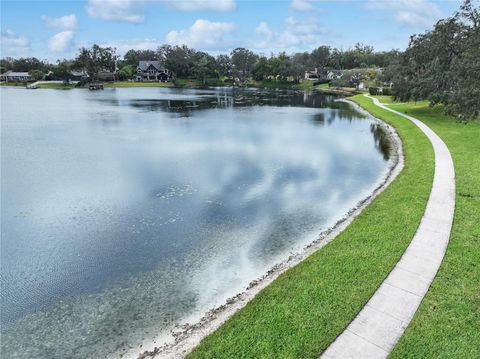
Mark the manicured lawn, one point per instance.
(447, 324)
(303, 311)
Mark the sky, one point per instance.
(52, 30)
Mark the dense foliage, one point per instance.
(443, 65)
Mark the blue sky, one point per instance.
(56, 29)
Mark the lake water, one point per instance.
(126, 211)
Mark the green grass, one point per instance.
(16, 83)
(447, 324)
(304, 310)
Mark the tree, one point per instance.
(203, 67)
(442, 65)
(320, 56)
(261, 70)
(223, 65)
(36, 74)
(96, 59)
(62, 70)
(132, 57)
(243, 61)
(178, 59)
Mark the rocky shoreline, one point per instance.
(186, 338)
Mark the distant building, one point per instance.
(362, 85)
(15, 76)
(105, 76)
(322, 74)
(152, 71)
(79, 75)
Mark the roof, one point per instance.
(143, 65)
(16, 74)
(78, 73)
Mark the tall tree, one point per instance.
(243, 61)
(442, 65)
(96, 59)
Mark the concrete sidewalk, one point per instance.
(382, 321)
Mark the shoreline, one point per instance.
(186, 338)
(114, 85)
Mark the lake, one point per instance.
(126, 212)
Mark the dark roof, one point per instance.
(143, 65)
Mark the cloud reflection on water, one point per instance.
(120, 218)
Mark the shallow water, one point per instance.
(125, 211)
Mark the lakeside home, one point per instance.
(15, 76)
(152, 71)
(322, 74)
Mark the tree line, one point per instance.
(443, 65)
(186, 62)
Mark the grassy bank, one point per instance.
(303, 311)
(447, 324)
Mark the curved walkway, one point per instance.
(382, 321)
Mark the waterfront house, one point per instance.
(152, 71)
(79, 75)
(322, 74)
(15, 76)
(105, 76)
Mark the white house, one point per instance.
(322, 74)
(15, 76)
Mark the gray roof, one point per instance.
(143, 65)
(78, 73)
(16, 74)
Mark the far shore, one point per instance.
(192, 84)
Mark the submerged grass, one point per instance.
(447, 324)
(304, 310)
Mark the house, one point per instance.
(15, 76)
(362, 85)
(334, 74)
(105, 76)
(79, 75)
(152, 71)
(322, 74)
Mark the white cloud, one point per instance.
(295, 34)
(131, 10)
(122, 46)
(14, 45)
(67, 22)
(61, 41)
(119, 10)
(264, 29)
(302, 5)
(411, 13)
(202, 34)
(196, 5)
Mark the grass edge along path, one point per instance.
(308, 306)
(447, 323)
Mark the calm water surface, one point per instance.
(125, 212)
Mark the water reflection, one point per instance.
(120, 217)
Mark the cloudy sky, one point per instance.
(56, 29)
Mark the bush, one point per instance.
(386, 91)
